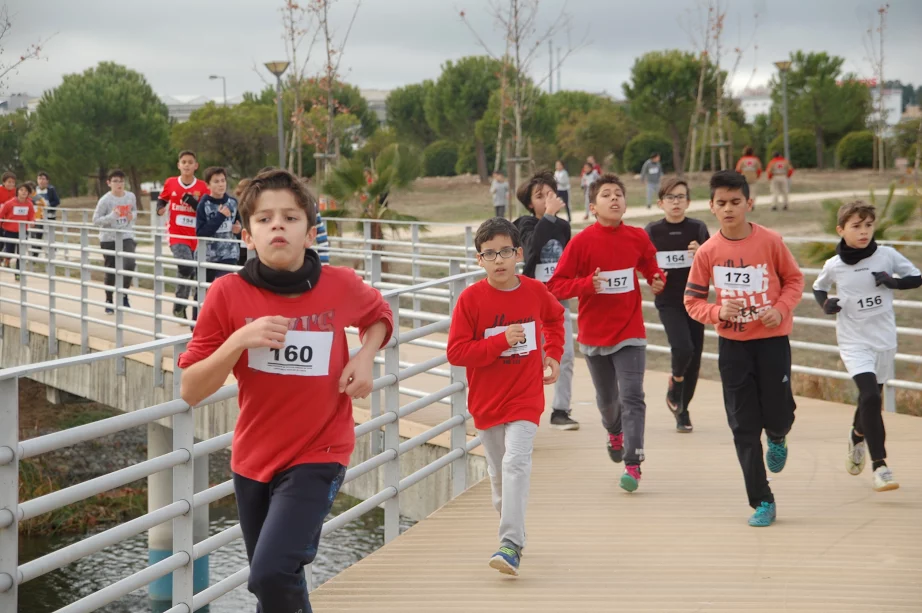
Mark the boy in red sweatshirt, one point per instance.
(13, 213)
(496, 331)
(599, 266)
(758, 286)
(280, 328)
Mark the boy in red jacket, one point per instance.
(282, 334)
(758, 286)
(496, 331)
(599, 266)
(12, 215)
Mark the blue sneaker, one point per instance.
(506, 561)
(777, 454)
(764, 515)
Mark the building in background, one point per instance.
(755, 101)
(377, 102)
(15, 102)
(180, 107)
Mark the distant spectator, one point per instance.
(587, 178)
(47, 192)
(750, 167)
(562, 177)
(8, 187)
(594, 164)
(500, 190)
(779, 177)
(651, 173)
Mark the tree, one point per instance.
(13, 131)
(241, 138)
(565, 102)
(822, 99)
(32, 52)
(406, 114)
(662, 94)
(599, 131)
(104, 117)
(458, 100)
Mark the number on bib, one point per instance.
(305, 354)
(617, 281)
(185, 221)
(522, 347)
(21, 210)
(674, 259)
(868, 306)
(738, 279)
(544, 272)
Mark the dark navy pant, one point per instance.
(281, 522)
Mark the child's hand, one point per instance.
(884, 278)
(236, 228)
(224, 210)
(831, 306)
(357, 378)
(267, 331)
(597, 280)
(771, 318)
(554, 366)
(553, 204)
(730, 309)
(515, 334)
(693, 247)
(659, 283)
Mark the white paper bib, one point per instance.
(20, 210)
(305, 354)
(738, 279)
(674, 259)
(523, 348)
(617, 281)
(185, 221)
(870, 305)
(544, 272)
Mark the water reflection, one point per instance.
(62, 587)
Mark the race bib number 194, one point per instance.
(305, 354)
(544, 272)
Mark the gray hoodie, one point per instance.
(111, 214)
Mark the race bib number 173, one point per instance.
(738, 279)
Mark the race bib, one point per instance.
(617, 281)
(226, 226)
(305, 354)
(21, 210)
(544, 272)
(870, 305)
(738, 279)
(522, 348)
(674, 259)
(185, 221)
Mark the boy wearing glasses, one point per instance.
(676, 239)
(496, 327)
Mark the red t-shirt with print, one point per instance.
(182, 216)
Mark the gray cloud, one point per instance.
(177, 44)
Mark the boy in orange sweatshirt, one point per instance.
(496, 331)
(758, 285)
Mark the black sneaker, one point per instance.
(616, 447)
(683, 423)
(125, 302)
(179, 311)
(674, 396)
(110, 310)
(560, 420)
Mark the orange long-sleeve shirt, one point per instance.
(758, 269)
(779, 167)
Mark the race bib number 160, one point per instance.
(305, 354)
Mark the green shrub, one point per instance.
(803, 148)
(856, 150)
(641, 147)
(439, 159)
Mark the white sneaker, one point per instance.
(857, 456)
(883, 480)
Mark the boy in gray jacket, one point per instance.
(652, 174)
(115, 214)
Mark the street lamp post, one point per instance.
(223, 86)
(784, 67)
(277, 68)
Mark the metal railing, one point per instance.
(385, 415)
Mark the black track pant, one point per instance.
(281, 522)
(686, 339)
(756, 378)
(868, 420)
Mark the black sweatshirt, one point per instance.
(668, 237)
(543, 240)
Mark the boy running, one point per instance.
(182, 194)
(865, 327)
(599, 266)
(496, 331)
(677, 238)
(15, 213)
(216, 217)
(758, 286)
(282, 334)
(115, 214)
(7, 187)
(544, 237)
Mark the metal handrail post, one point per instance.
(414, 238)
(84, 291)
(366, 244)
(183, 489)
(52, 289)
(200, 272)
(392, 430)
(9, 494)
(376, 437)
(117, 302)
(459, 398)
(23, 293)
(158, 304)
(889, 398)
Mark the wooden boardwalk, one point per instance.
(681, 542)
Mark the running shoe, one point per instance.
(857, 456)
(179, 311)
(683, 423)
(674, 404)
(616, 447)
(631, 478)
(561, 420)
(506, 561)
(764, 515)
(777, 455)
(883, 480)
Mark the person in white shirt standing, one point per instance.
(562, 177)
(863, 273)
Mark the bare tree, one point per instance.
(517, 20)
(32, 52)
(875, 51)
(298, 26)
(699, 24)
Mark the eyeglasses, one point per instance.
(490, 255)
(675, 198)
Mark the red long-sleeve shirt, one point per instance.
(502, 389)
(761, 260)
(285, 419)
(605, 320)
(12, 212)
(779, 167)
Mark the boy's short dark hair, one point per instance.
(776, 154)
(24, 186)
(272, 179)
(7, 175)
(729, 179)
(116, 173)
(42, 173)
(655, 154)
(498, 226)
(857, 207)
(186, 152)
(499, 172)
(672, 183)
(211, 171)
(523, 193)
(747, 150)
(241, 186)
(606, 179)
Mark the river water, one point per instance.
(62, 587)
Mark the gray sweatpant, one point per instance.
(563, 389)
(508, 448)
(618, 381)
(184, 252)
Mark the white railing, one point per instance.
(385, 415)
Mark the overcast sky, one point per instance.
(177, 44)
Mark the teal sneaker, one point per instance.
(764, 515)
(777, 454)
(631, 478)
(506, 561)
